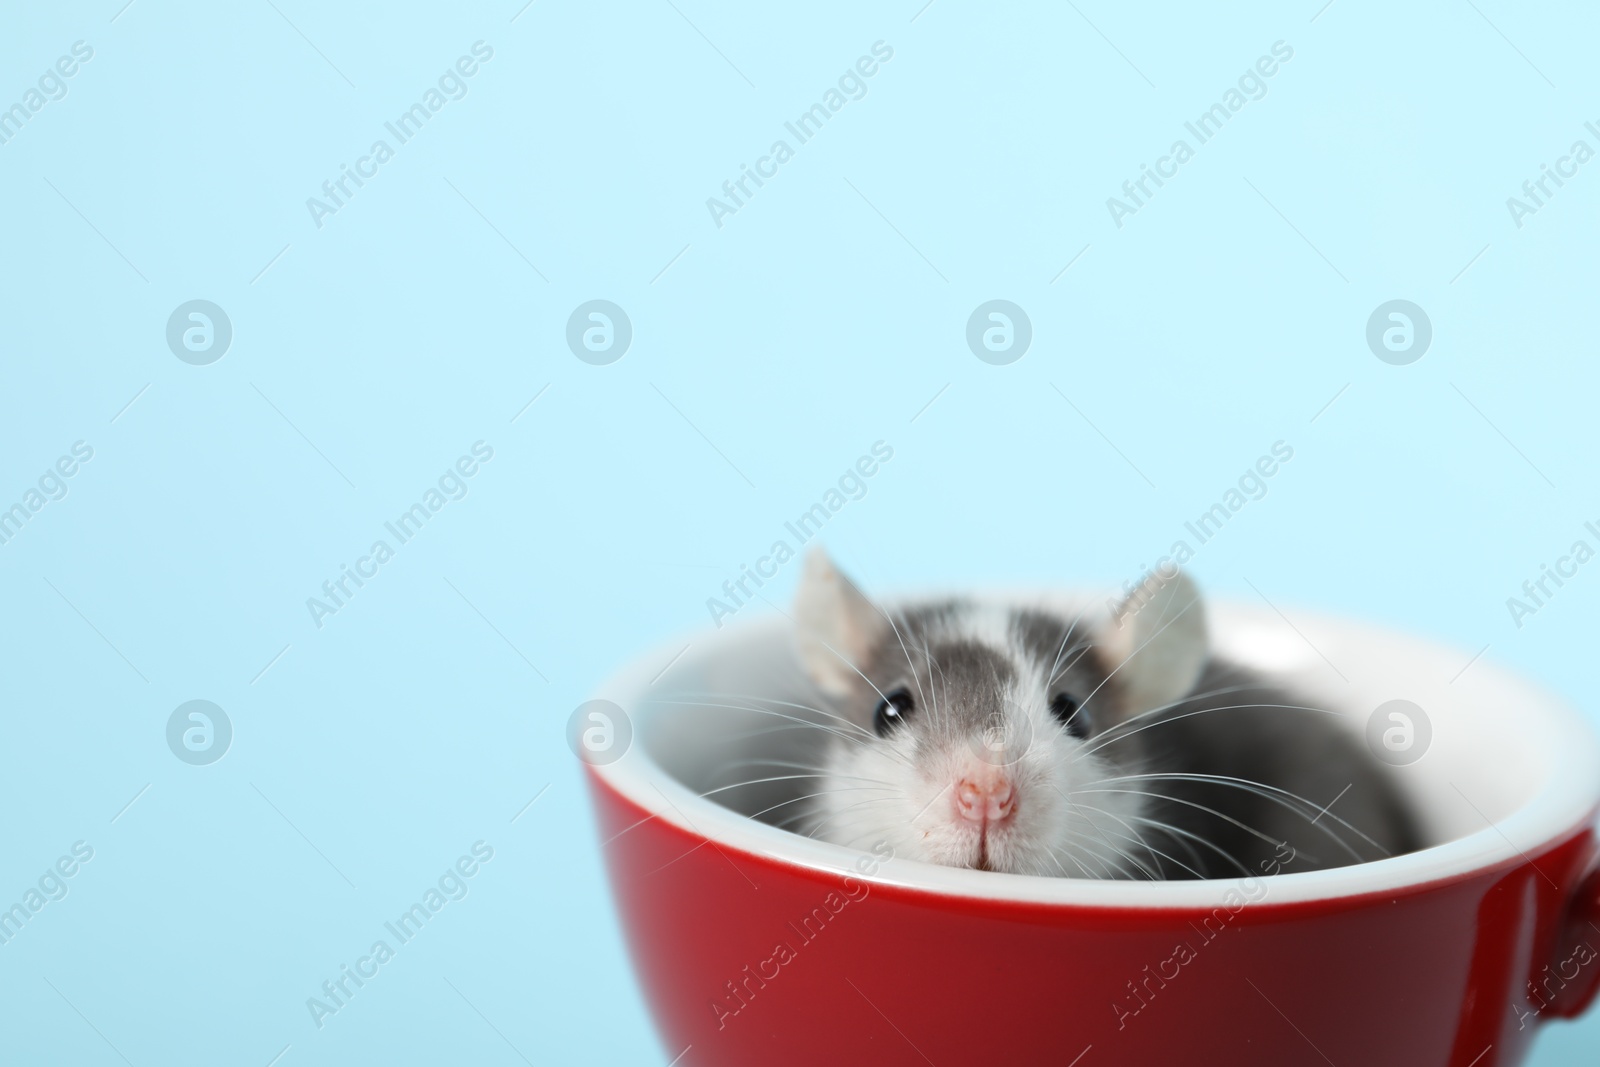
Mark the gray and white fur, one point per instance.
(988, 736)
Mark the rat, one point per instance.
(1003, 737)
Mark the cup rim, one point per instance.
(1564, 801)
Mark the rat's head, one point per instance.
(980, 735)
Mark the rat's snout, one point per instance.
(985, 796)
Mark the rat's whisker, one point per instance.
(1187, 836)
(1193, 603)
(1157, 826)
(1066, 634)
(756, 710)
(1092, 849)
(852, 811)
(1189, 698)
(1055, 855)
(792, 778)
(847, 662)
(807, 708)
(842, 735)
(1121, 727)
(1187, 803)
(921, 693)
(1313, 813)
(817, 812)
(1117, 851)
(797, 800)
(1139, 838)
(1111, 735)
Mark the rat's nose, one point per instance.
(985, 798)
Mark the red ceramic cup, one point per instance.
(758, 946)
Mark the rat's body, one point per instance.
(988, 736)
(1323, 795)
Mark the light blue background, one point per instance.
(821, 318)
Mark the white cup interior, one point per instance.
(1509, 768)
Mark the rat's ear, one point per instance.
(835, 626)
(1157, 642)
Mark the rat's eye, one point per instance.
(1065, 708)
(893, 710)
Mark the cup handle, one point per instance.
(1576, 962)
